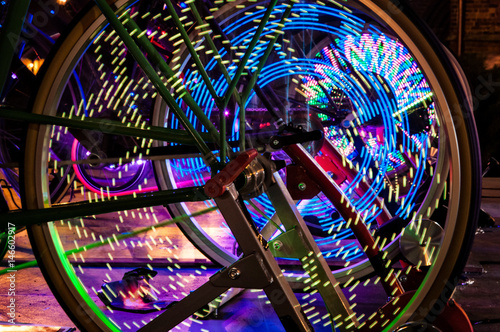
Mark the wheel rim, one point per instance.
(455, 229)
(232, 19)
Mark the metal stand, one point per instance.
(297, 242)
(257, 269)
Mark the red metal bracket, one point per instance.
(299, 184)
(216, 186)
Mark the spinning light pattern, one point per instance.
(373, 77)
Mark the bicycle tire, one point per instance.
(460, 222)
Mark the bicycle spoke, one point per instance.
(270, 47)
(100, 205)
(156, 80)
(192, 51)
(170, 75)
(118, 237)
(213, 49)
(227, 44)
(201, 69)
(243, 61)
(105, 126)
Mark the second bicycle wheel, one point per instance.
(361, 72)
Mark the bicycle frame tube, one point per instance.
(354, 219)
(256, 269)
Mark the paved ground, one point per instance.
(479, 293)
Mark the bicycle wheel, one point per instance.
(329, 99)
(361, 72)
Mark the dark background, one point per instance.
(471, 30)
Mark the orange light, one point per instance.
(33, 65)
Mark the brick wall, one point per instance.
(481, 27)
(480, 53)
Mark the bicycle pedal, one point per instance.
(133, 293)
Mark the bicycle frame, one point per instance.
(12, 32)
(256, 256)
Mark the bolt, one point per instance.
(302, 186)
(276, 142)
(234, 273)
(277, 245)
(403, 278)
